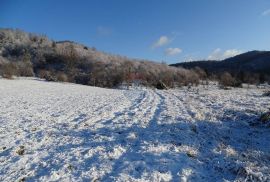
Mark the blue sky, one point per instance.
(171, 30)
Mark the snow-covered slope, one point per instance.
(67, 132)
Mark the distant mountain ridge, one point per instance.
(252, 62)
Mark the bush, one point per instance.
(62, 77)
(9, 70)
(238, 83)
(82, 78)
(200, 72)
(226, 80)
(47, 75)
(25, 69)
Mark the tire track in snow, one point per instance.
(178, 104)
(118, 117)
(154, 107)
(115, 129)
(110, 127)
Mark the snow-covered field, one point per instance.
(66, 132)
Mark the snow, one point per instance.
(70, 132)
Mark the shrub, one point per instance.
(226, 80)
(238, 83)
(47, 75)
(82, 78)
(9, 70)
(42, 73)
(62, 77)
(25, 69)
(200, 72)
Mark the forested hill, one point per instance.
(28, 54)
(249, 63)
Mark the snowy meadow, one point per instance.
(66, 132)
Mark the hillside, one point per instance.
(254, 62)
(28, 54)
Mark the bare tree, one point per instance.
(226, 80)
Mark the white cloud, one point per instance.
(266, 12)
(218, 54)
(173, 51)
(231, 53)
(163, 40)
